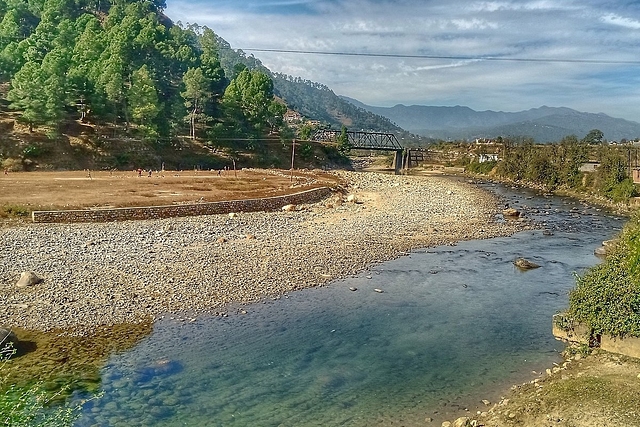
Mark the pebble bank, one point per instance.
(133, 271)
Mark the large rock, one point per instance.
(601, 251)
(524, 264)
(511, 212)
(28, 278)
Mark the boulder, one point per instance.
(511, 212)
(28, 278)
(524, 264)
(289, 208)
(601, 251)
(351, 198)
(232, 215)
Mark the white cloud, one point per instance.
(554, 29)
(621, 21)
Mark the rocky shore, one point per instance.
(133, 271)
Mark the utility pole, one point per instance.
(293, 155)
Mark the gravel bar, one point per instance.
(133, 271)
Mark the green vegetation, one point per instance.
(483, 168)
(552, 165)
(126, 71)
(31, 405)
(557, 166)
(344, 146)
(607, 297)
(49, 367)
(87, 84)
(12, 211)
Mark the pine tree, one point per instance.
(27, 94)
(196, 92)
(143, 101)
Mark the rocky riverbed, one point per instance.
(127, 272)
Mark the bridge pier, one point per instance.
(398, 161)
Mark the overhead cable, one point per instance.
(449, 57)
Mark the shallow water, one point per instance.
(454, 325)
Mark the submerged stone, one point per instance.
(524, 264)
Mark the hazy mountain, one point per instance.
(544, 124)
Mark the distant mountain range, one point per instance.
(544, 124)
(318, 102)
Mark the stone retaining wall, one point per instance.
(629, 346)
(156, 212)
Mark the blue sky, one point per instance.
(540, 29)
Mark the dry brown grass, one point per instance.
(22, 192)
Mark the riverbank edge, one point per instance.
(517, 403)
(622, 209)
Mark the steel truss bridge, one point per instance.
(370, 141)
(361, 140)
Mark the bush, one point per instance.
(31, 151)
(12, 165)
(607, 297)
(622, 191)
(306, 151)
(14, 210)
(481, 168)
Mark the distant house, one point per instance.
(292, 117)
(487, 158)
(635, 174)
(589, 167)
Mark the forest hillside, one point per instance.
(95, 83)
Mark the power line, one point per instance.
(449, 57)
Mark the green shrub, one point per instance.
(481, 168)
(607, 297)
(32, 405)
(306, 151)
(33, 151)
(14, 211)
(622, 191)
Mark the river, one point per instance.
(453, 325)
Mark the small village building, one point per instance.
(589, 167)
(292, 117)
(487, 158)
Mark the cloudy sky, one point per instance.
(440, 48)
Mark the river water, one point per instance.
(454, 325)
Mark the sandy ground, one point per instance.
(80, 189)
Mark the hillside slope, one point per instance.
(313, 100)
